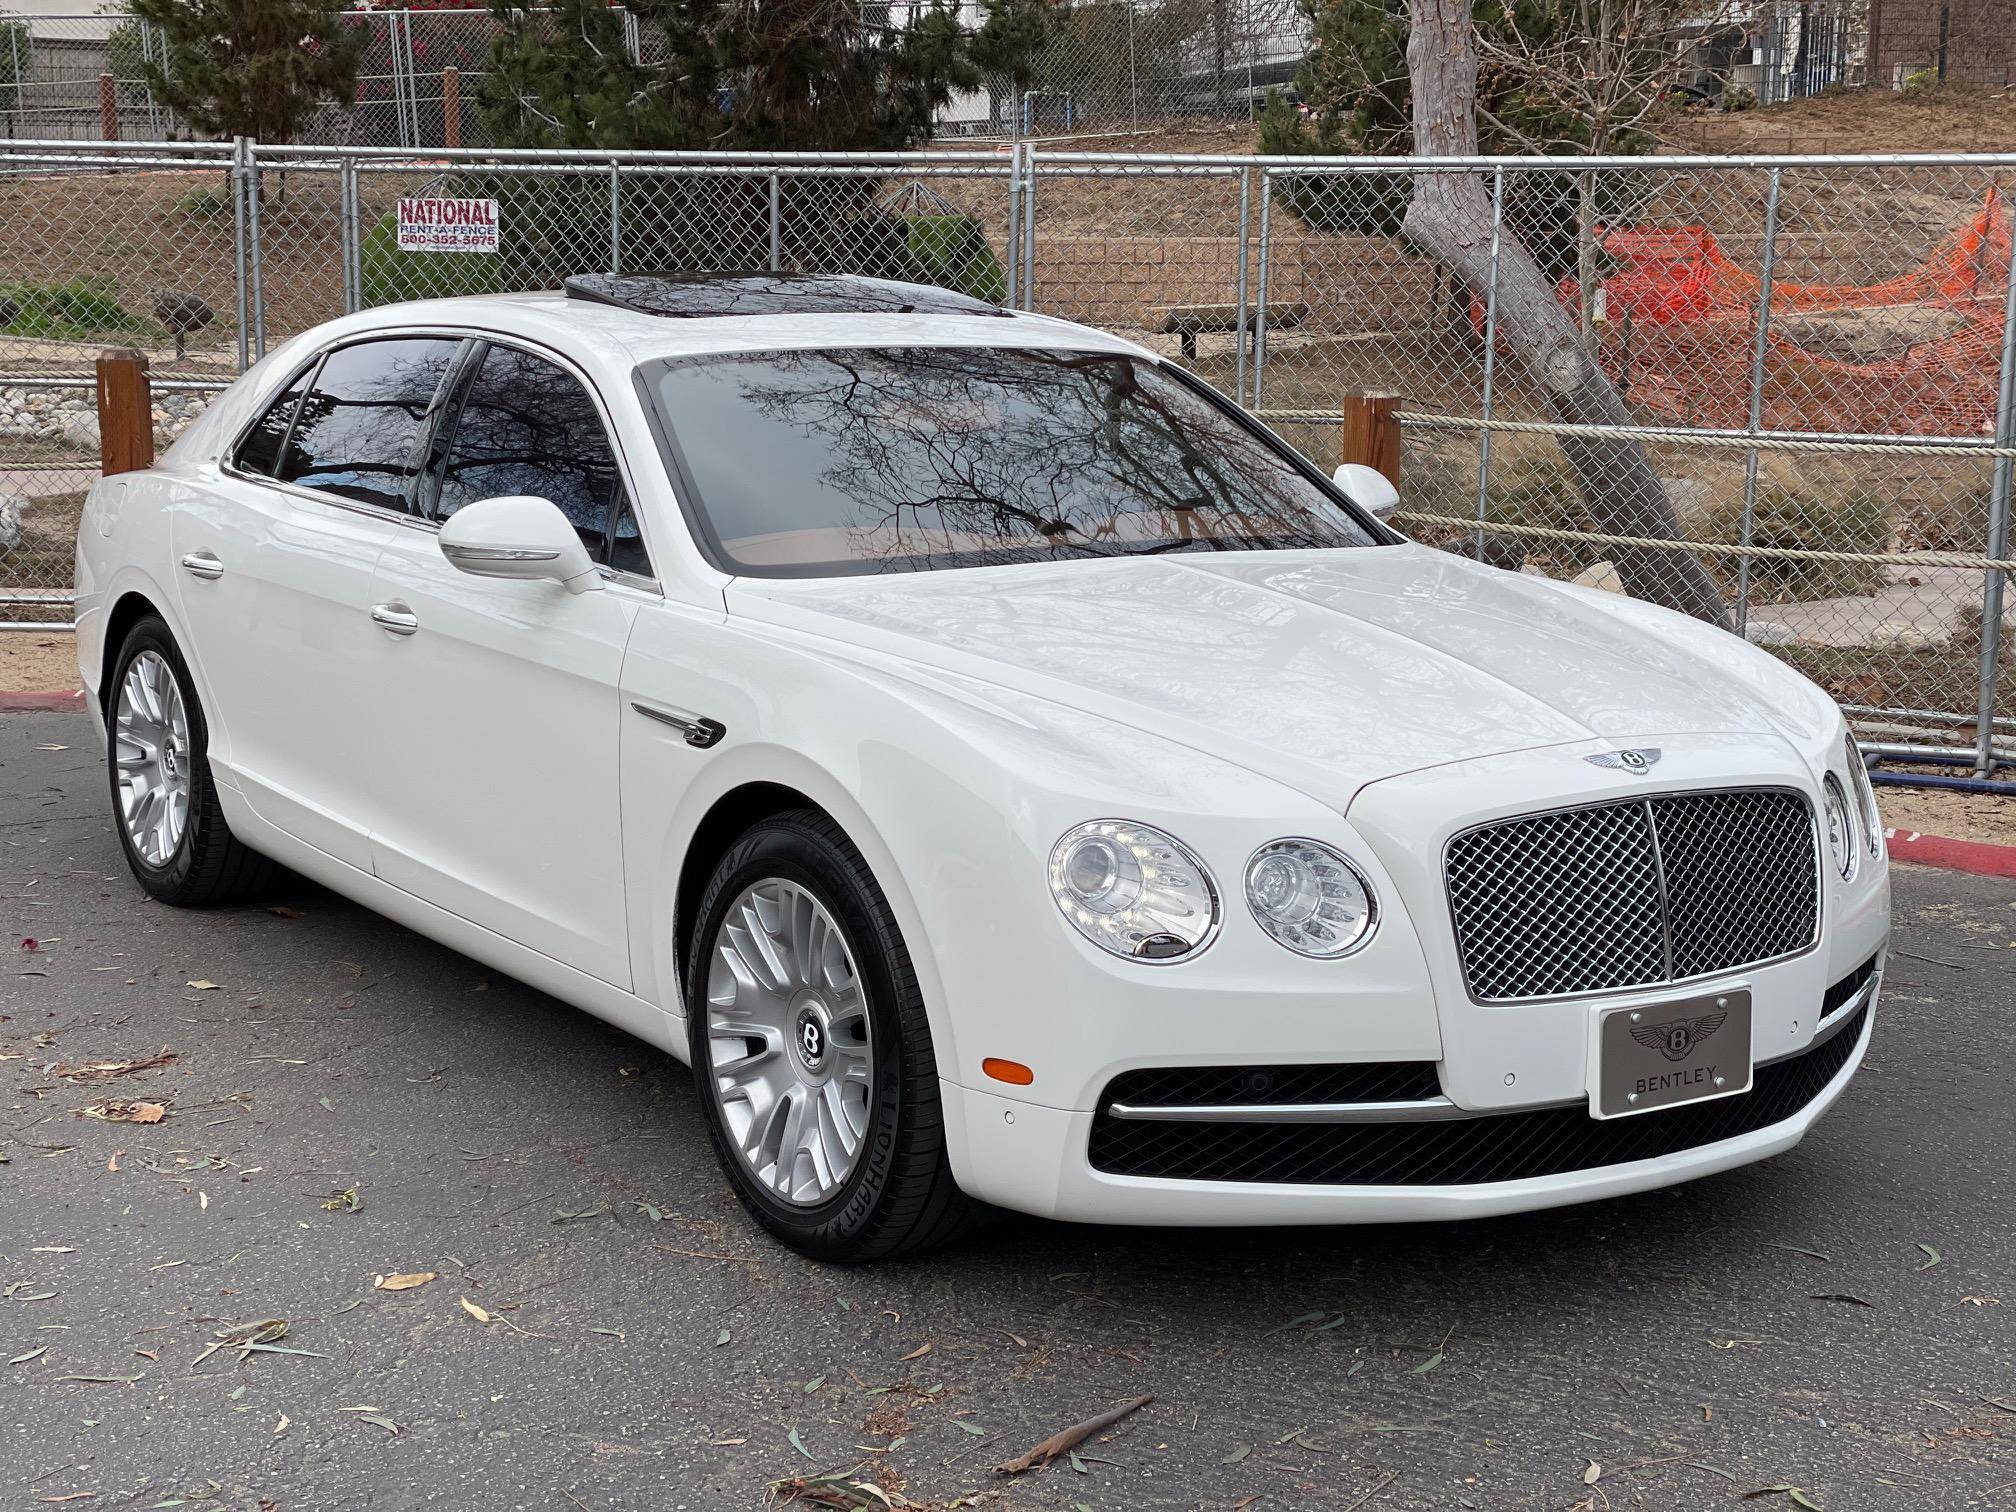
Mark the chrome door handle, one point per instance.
(395, 617)
(203, 564)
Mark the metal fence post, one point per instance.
(1490, 357)
(1029, 226)
(255, 263)
(1998, 535)
(1766, 274)
(615, 216)
(1014, 239)
(1245, 216)
(240, 242)
(776, 225)
(1260, 310)
(347, 213)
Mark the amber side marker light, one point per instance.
(1012, 1072)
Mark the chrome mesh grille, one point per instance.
(1652, 890)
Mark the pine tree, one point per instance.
(257, 68)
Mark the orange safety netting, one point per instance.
(1679, 335)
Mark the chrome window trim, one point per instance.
(1821, 864)
(227, 459)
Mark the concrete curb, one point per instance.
(1975, 856)
(42, 703)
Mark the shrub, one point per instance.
(77, 310)
(1537, 489)
(1937, 519)
(1789, 520)
(951, 252)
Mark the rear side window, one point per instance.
(260, 451)
(529, 427)
(356, 433)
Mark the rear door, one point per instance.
(276, 562)
(500, 706)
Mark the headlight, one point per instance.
(1840, 828)
(1131, 889)
(1865, 794)
(1309, 898)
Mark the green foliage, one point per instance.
(790, 74)
(1362, 203)
(1785, 518)
(1011, 42)
(951, 251)
(243, 69)
(389, 275)
(204, 204)
(77, 310)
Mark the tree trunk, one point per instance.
(1450, 216)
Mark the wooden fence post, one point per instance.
(125, 411)
(108, 107)
(1371, 433)
(451, 106)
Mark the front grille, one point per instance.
(1496, 1147)
(1657, 889)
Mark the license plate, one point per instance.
(1681, 1051)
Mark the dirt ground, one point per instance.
(37, 661)
(1957, 816)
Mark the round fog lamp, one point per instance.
(1310, 898)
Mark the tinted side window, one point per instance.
(357, 427)
(260, 451)
(529, 427)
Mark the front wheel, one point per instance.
(811, 1051)
(157, 753)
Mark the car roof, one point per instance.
(590, 330)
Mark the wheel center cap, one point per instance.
(810, 1039)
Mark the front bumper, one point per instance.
(1033, 1159)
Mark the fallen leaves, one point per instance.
(118, 1110)
(1066, 1439)
(346, 1201)
(33, 1354)
(202, 985)
(262, 1337)
(918, 1353)
(841, 1490)
(404, 1281)
(90, 1073)
(1932, 1256)
(1798, 1496)
(479, 1314)
(1840, 1297)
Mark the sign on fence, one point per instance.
(447, 225)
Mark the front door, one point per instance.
(502, 705)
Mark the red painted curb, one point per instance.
(1975, 856)
(42, 703)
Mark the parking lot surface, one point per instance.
(342, 1100)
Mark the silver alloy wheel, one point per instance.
(150, 749)
(788, 1041)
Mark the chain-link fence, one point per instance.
(1780, 393)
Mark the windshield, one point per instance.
(815, 463)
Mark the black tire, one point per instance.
(901, 1197)
(209, 864)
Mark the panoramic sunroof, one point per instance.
(690, 295)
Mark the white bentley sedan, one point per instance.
(1007, 773)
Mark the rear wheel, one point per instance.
(164, 802)
(811, 1051)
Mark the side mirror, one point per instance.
(518, 537)
(1368, 487)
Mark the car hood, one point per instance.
(1323, 669)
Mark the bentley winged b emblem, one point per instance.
(1676, 1039)
(1639, 761)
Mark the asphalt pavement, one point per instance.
(342, 1100)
